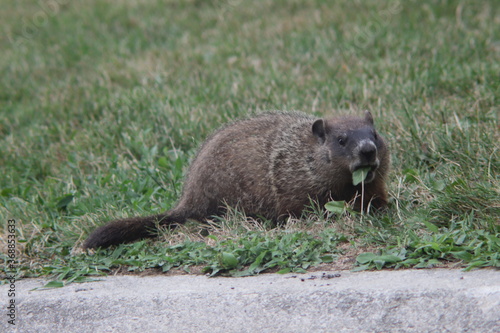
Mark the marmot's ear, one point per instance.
(319, 130)
(368, 117)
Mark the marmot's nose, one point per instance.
(368, 153)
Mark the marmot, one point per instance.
(271, 166)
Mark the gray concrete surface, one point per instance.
(387, 301)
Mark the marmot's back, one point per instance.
(237, 164)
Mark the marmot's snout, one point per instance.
(366, 155)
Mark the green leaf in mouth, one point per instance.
(359, 175)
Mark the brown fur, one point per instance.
(271, 165)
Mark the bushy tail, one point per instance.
(128, 230)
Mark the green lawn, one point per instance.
(104, 103)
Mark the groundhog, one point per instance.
(270, 166)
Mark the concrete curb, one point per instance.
(386, 301)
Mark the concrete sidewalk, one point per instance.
(436, 300)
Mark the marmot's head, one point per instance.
(353, 143)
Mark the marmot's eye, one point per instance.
(341, 141)
(375, 136)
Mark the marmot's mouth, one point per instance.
(371, 174)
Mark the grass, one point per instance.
(104, 104)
